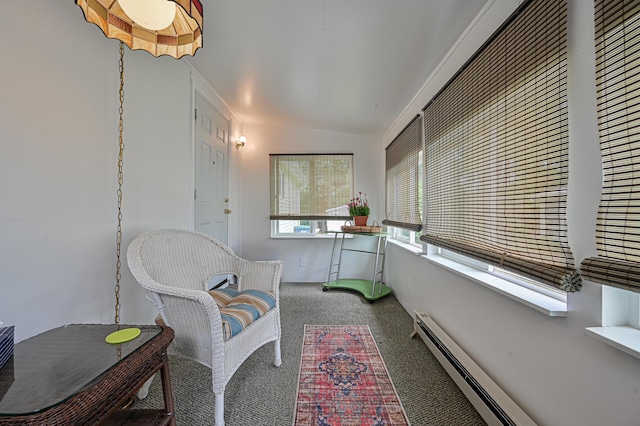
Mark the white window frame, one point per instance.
(517, 288)
(620, 313)
(317, 228)
(620, 307)
(514, 278)
(397, 234)
(620, 320)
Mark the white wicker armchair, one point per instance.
(175, 266)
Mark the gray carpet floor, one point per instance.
(260, 394)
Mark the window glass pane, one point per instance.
(310, 192)
(288, 226)
(617, 35)
(305, 228)
(310, 186)
(496, 152)
(334, 225)
(620, 307)
(403, 178)
(635, 309)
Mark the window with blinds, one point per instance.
(403, 178)
(311, 186)
(496, 151)
(618, 98)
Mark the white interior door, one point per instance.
(212, 147)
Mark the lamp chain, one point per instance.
(120, 180)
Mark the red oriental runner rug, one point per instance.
(343, 380)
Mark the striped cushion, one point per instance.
(238, 309)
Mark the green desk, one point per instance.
(372, 289)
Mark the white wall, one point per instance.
(559, 375)
(265, 140)
(58, 132)
(56, 244)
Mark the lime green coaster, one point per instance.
(122, 336)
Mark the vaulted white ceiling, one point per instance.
(348, 66)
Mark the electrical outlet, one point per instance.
(303, 262)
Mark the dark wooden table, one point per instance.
(71, 376)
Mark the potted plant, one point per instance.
(359, 209)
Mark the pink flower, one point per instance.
(359, 206)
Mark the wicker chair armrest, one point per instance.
(202, 300)
(259, 275)
(201, 297)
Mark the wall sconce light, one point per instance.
(241, 141)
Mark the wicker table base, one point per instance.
(82, 380)
(137, 417)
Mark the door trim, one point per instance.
(196, 92)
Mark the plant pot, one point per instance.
(360, 220)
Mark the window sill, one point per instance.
(305, 236)
(624, 338)
(539, 302)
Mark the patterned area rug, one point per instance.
(344, 381)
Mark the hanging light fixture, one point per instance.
(241, 141)
(161, 27)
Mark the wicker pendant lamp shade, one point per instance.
(183, 35)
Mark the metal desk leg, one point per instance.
(375, 269)
(384, 255)
(340, 258)
(365, 287)
(333, 249)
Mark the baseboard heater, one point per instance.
(493, 404)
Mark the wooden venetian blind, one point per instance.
(618, 96)
(311, 186)
(496, 151)
(403, 178)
